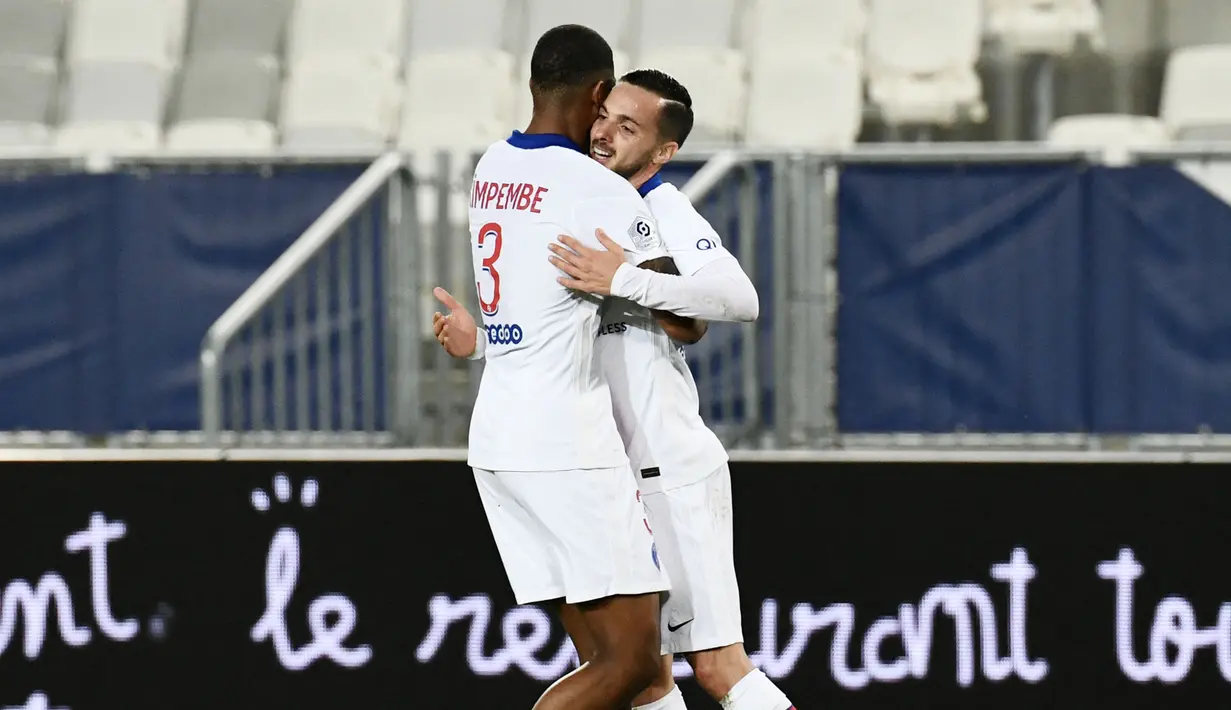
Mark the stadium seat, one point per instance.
(32, 28)
(521, 89)
(348, 28)
(459, 25)
(1108, 131)
(686, 23)
(339, 106)
(460, 99)
(222, 137)
(1044, 27)
(29, 89)
(1196, 100)
(114, 107)
(807, 99)
(248, 26)
(148, 31)
(228, 98)
(921, 58)
(611, 20)
(716, 80)
(791, 25)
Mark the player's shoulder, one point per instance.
(594, 180)
(663, 195)
(670, 206)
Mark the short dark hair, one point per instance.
(675, 122)
(570, 57)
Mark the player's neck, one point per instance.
(644, 175)
(557, 122)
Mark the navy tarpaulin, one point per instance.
(961, 298)
(191, 244)
(108, 284)
(57, 302)
(1161, 288)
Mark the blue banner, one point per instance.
(1161, 288)
(58, 328)
(960, 288)
(1032, 298)
(108, 284)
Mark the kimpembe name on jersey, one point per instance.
(520, 196)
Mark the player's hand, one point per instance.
(589, 270)
(456, 332)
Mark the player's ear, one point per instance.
(665, 152)
(601, 89)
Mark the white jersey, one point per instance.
(656, 403)
(543, 404)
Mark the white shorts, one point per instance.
(692, 524)
(578, 535)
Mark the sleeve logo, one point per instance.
(642, 234)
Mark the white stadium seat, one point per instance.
(1094, 130)
(28, 88)
(686, 23)
(1113, 134)
(1050, 27)
(1196, 101)
(338, 106)
(32, 28)
(791, 25)
(24, 136)
(348, 28)
(716, 80)
(239, 26)
(461, 99)
(459, 25)
(921, 58)
(114, 107)
(611, 20)
(126, 31)
(222, 136)
(808, 99)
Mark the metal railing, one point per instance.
(318, 343)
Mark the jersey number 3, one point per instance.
(490, 231)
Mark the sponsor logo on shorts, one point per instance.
(504, 334)
(654, 554)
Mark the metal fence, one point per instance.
(323, 342)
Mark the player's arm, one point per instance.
(680, 328)
(719, 291)
(637, 242)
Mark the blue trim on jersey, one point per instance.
(648, 187)
(532, 141)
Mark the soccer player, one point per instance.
(548, 460)
(680, 465)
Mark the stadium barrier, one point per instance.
(241, 579)
(990, 295)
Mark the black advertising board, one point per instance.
(376, 584)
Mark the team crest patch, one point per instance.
(642, 234)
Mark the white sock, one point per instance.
(755, 691)
(671, 701)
